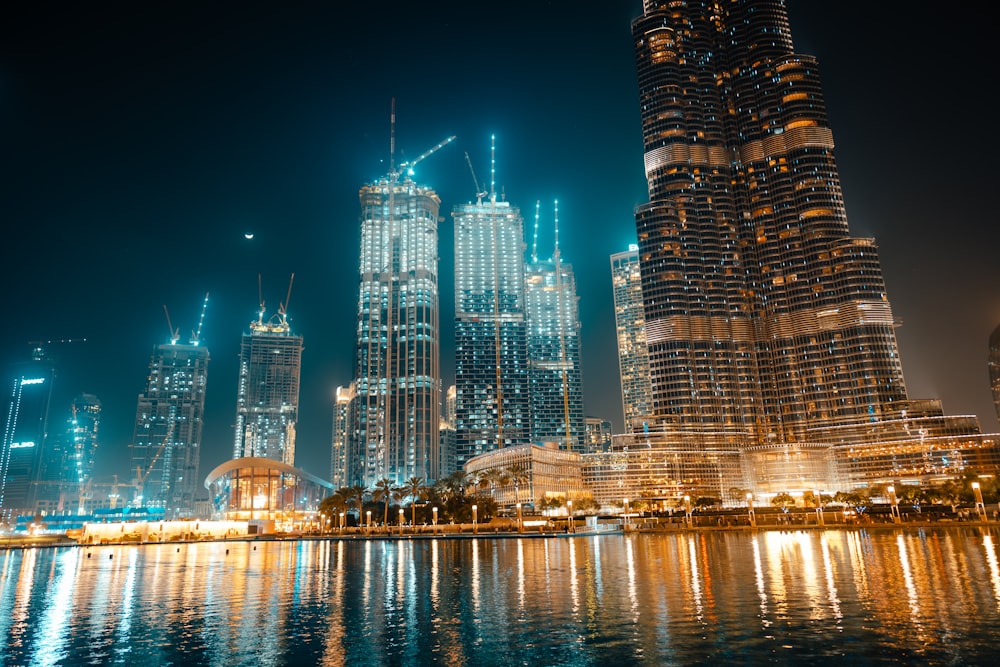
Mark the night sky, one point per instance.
(142, 141)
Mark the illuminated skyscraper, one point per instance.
(767, 324)
(267, 402)
(343, 400)
(994, 366)
(23, 449)
(491, 363)
(630, 328)
(84, 427)
(394, 421)
(169, 420)
(555, 377)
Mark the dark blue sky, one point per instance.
(142, 140)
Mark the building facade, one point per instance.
(267, 400)
(630, 330)
(83, 438)
(492, 405)
(555, 375)
(768, 325)
(342, 403)
(169, 420)
(395, 413)
(994, 368)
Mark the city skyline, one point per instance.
(117, 180)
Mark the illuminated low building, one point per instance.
(549, 472)
(259, 489)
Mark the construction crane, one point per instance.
(196, 334)
(479, 192)
(174, 333)
(142, 476)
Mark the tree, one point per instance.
(518, 476)
(385, 490)
(332, 505)
(358, 493)
(783, 500)
(417, 491)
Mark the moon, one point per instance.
(248, 236)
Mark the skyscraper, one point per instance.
(342, 402)
(630, 330)
(22, 451)
(396, 408)
(768, 324)
(994, 368)
(555, 377)
(83, 432)
(169, 419)
(267, 401)
(491, 364)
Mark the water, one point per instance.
(879, 597)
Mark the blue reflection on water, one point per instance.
(888, 597)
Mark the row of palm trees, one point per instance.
(453, 496)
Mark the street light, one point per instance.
(368, 521)
(342, 522)
(753, 517)
(434, 520)
(819, 507)
(980, 507)
(894, 504)
(571, 526)
(626, 513)
(400, 520)
(475, 508)
(519, 524)
(687, 510)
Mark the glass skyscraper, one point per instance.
(267, 401)
(395, 412)
(994, 368)
(630, 330)
(555, 378)
(491, 364)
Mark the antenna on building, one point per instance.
(493, 166)
(392, 138)
(556, 207)
(260, 299)
(196, 334)
(534, 242)
(174, 333)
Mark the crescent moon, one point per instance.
(248, 236)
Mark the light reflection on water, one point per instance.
(888, 597)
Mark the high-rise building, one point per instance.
(994, 368)
(768, 326)
(630, 329)
(555, 376)
(598, 434)
(83, 431)
(267, 401)
(169, 420)
(491, 363)
(25, 436)
(343, 399)
(396, 408)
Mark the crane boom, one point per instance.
(408, 166)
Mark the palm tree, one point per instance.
(331, 506)
(385, 489)
(416, 490)
(358, 493)
(518, 475)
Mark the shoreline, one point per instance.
(62, 540)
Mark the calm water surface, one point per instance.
(886, 597)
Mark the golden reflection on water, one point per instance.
(460, 602)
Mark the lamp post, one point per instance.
(475, 509)
(980, 506)
(401, 520)
(687, 510)
(434, 518)
(571, 525)
(625, 524)
(519, 523)
(368, 521)
(342, 522)
(894, 504)
(750, 512)
(819, 508)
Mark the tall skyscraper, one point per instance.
(23, 449)
(394, 427)
(342, 402)
(555, 376)
(83, 434)
(994, 368)
(267, 401)
(768, 324)
(630, 329)
(491, 364)
(169, 419)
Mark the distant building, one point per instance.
(267, 401)
(342, 403)
(169, 419)
(491, 363)
(548, 473)
(555, 376)
(447, 429)
(83, 439)
(630, 328)
(598, 434)
(397, 382)
(23, 449)
(994, 367)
